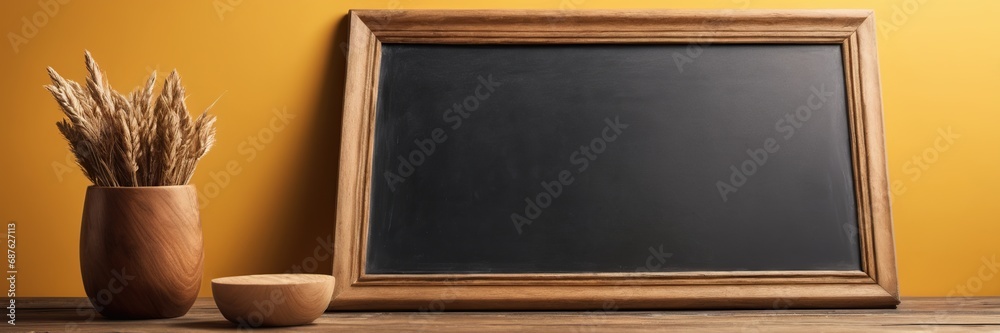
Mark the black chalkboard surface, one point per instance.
(611, 158)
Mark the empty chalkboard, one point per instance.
(612, 159)
(596, 158)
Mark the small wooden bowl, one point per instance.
(251, 301)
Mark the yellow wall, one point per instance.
(939, 63)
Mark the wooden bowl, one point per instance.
(274, 299)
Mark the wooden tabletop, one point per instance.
(913, 315)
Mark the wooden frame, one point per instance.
(874, 286)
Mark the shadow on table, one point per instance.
(223, 325)
(204, 325)
(72, 320)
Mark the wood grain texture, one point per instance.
(609, 26)
(272, 299)
(874, 286)
(355, 152)
(878, 169)
(141, 250)
(913, 315)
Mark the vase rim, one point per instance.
(138, 187)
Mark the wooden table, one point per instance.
(913, 315)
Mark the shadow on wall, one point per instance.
(311, 209)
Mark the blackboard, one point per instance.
(611, 158)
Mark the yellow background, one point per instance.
(939, 64)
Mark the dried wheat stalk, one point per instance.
(132, 140)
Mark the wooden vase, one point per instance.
(141, 250)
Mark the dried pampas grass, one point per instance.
(135, 140)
